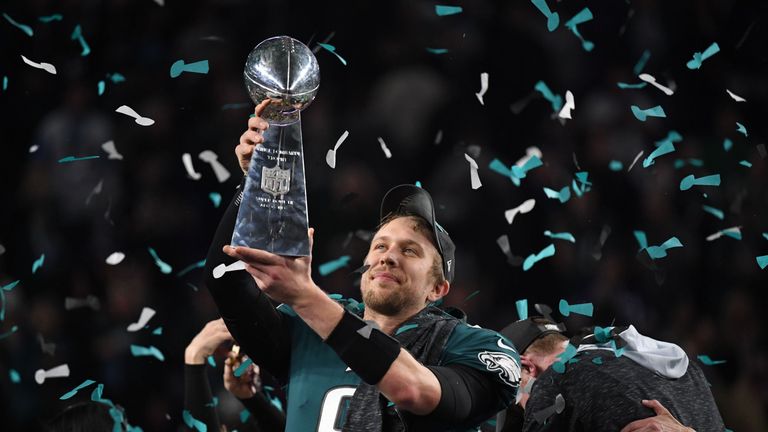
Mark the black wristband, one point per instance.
(368, 351)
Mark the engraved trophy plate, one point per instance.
(273, 212)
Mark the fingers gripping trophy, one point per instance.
(273, 212)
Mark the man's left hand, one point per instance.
(284, 279)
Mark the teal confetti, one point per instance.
(14, 376)
(583, 179)
(642, 115)
(11, 285)
(698, 58)
(727, 144)
(564, 195)
(243, 367)
(741, 129)
(332, 50)
(708, 361)
(274, 400)
(734, 233)
(244, 414)
(555, 100)
(656, 252)
(519, 172)
(214, 402)
(5, 83)
(746, 164)
(714, 212)
(50, 18)
(534, 258)
(23, 27)
(691, 181)
(331, 266)
(603, 334)
(164, 267)
(189, 268)
(116, 78)
(586, 309)
(618, 352)
(663, 149)
(597, 360)
(632, 86)
(583, 16)
(417, 184)
(641, 238)
(560, 236)
(150, 351)
(158, 331)
(641, 62)
(14, 329)
(437, 51)
(765, 236)
(211, 361)
(38, 263)
(194, 288)
(405, 328)
(441, 10)
(74, 391)
(553, 19)
(178, 67)
(77, 34)
(522, 308)
(192, 422)
(75, 159)
(679, 163)
(101, 86)
(615, 165)
(762, 261)
(569, 353)
(471, 295)
(671, 138)
(499, 167)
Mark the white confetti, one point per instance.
(635, 161)
(130, 112)
(735, 97)
(115, 258)
(483, 87)
(384, 148)
(473, 172)
(330, 157)
(186, 158)
(209, 157)
(51, 69)
(717, 235)
(220, 269)
(523, 208)
(570, 104)
(529, 152)
(146, 315)
(650, 79)
(111, 150)
(57, 372)
(33, 148)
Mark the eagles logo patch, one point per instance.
(503, 364)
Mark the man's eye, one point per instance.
(379, 246)
(409, 250)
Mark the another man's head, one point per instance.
(411, 257)
(540, 341)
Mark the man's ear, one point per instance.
(439, 291)
(529, 366)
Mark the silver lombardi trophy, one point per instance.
(273, 213)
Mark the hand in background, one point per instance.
(246, 385)
(205, 343)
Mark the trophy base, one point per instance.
(273, 212)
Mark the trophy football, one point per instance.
(273, 212)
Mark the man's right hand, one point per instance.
(252, 137)
(662, 422)
(246, 385)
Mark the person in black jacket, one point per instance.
(198, 399)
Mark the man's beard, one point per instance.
(389, 303)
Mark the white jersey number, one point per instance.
(330, 408)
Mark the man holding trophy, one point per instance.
(391, 363)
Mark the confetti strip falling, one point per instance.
(691, 181)
(641, 62)
(146, 314)
(442, 10)
(583, 16)
(663, 149)
(523, 208)
(51, 69)
(330, 157)
(586, 309)
(563, 195)
(130, 112)
(555, 100)
(38, 263)
(74, 391)
(23, 27)
(708, 361)
(164, 267)
(474, 176)
(522, 308)
(623, 86)
(384, 148)
(178, 67)
(570, 104)
(77, 34)
(115, 258)
(150, 351)
(483, 87)
(650, 79)
(553, 19)
(560, 236)
(735, 97)
(534, 258)
(327, 268)
(740, 128)
(189, 268)
(76, 159)
(332, 50)
(656, 252)
(698, 58)
(643, 114)
(714, 211)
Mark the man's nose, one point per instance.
(388, 258)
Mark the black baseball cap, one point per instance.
(524, 332)
(412, 200)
